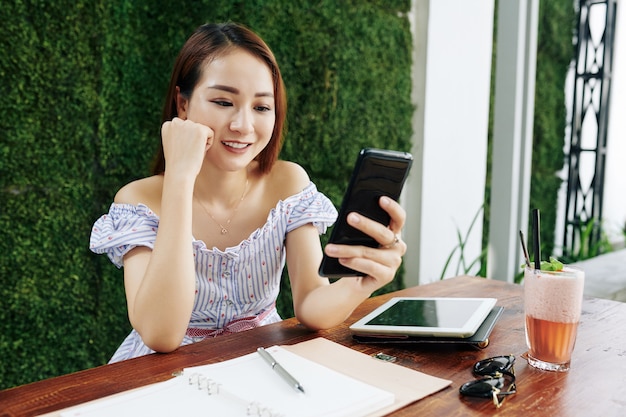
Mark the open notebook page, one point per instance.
(248, 385)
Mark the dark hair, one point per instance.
(208, 42)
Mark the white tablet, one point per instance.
(437, 317)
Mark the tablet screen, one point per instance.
(458, 317)
(427, 313)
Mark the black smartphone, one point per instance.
(377, 173)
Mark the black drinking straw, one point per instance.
(536, 242)
(522, 240)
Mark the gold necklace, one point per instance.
(223, 229)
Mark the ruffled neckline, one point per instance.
(231, 251)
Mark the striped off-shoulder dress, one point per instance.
(236, 289)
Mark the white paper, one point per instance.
(244, 383)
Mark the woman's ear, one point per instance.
(181, 104)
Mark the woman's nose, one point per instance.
(242, 122)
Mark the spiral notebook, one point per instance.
(247, 386)
(338, 381)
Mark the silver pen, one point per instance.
(286, 376)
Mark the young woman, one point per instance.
(204, 240)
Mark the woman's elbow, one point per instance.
(161, 342)
(316, 323)
(163, 346)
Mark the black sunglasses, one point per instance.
(496, 373)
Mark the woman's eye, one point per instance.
(222, 103)
(263, 108)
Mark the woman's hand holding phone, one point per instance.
(376, 263)
(366, 238)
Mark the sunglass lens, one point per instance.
(481, 387)
(493, 365)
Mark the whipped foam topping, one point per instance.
(554, 296)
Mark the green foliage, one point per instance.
(51, 293)
(463, 266)
(554, 54)
(586, 247)
(82, 89)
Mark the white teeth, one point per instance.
(235, 145)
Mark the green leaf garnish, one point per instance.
(552, 265)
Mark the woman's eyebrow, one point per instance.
(234, 90)
(225, 88)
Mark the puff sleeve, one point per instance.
(310, 206)
(125, 227)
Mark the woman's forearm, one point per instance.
(330, 305)
(165, 297)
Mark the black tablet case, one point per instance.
(479, 339)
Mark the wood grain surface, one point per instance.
(595, 386)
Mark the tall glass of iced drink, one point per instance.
(552, 306)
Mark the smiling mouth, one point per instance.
(236, 145)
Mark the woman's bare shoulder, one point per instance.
(289, 177)
(145, 191)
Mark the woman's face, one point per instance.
(235, 98)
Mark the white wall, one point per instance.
(513, 114)
(452, 68)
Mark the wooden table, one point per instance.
(595, 386)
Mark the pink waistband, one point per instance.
(238, 325)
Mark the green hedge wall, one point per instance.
(82, 89)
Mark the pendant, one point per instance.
(224, 231)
